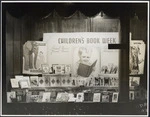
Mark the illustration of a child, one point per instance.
(84, 58)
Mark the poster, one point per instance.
(34, 56)
(137, 57)
(86, 53)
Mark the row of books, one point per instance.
(21, 81)
(41, 96)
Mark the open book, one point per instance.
(85, 70)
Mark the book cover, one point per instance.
(41, 82)
(14, 83)
(34, 55)
(28, 96)
(101, 81)
(71, 97)
(66, 81)
(21, 96)
(97, 81)
(40, 96)
(80, 81)
(47, 80)
(59, 68)
(23, 84)
(46, 96)
(86, 96)
(105, 98)
(55, 81)
(115, 97)
(106, 81)
(19, 77)
(34, 98)
(91, 82)
(53, 96)
(67, 69)
(134, 81)
(97, 97)
(80, 97)
(136, 57)
(73, 81)
(45, 69)
(131, 95)
(34, 81)
(62, 97)
(11, 96)
(85, 70)
(137, 95)
(27, 79)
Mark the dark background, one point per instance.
(28, 21)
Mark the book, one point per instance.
(67, 69)
(53, 96)
(21, 96)
(28, 96)
(115, 97)
(47, 80)
(105, 98)
(14, 83)
(136, 57)
(131, 95)
(34, 55)
(101, 81)
(11, 96)
(97, 81)
(24, 84)
(62, 97)
(19, 77)
(59, 69)
(97, 97)
(91, 82)
(34, 98)
(71, 97)
(66, 81)
(34, 81)
(27, 79)
(80, 81)
(41, 82)
(73, 81)
(45, 69)
(40, 96)
(80, 97)
(106, 81)
(134, 81)
(46, 96)
(137, 95)
(55, 81)
(85, 70)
